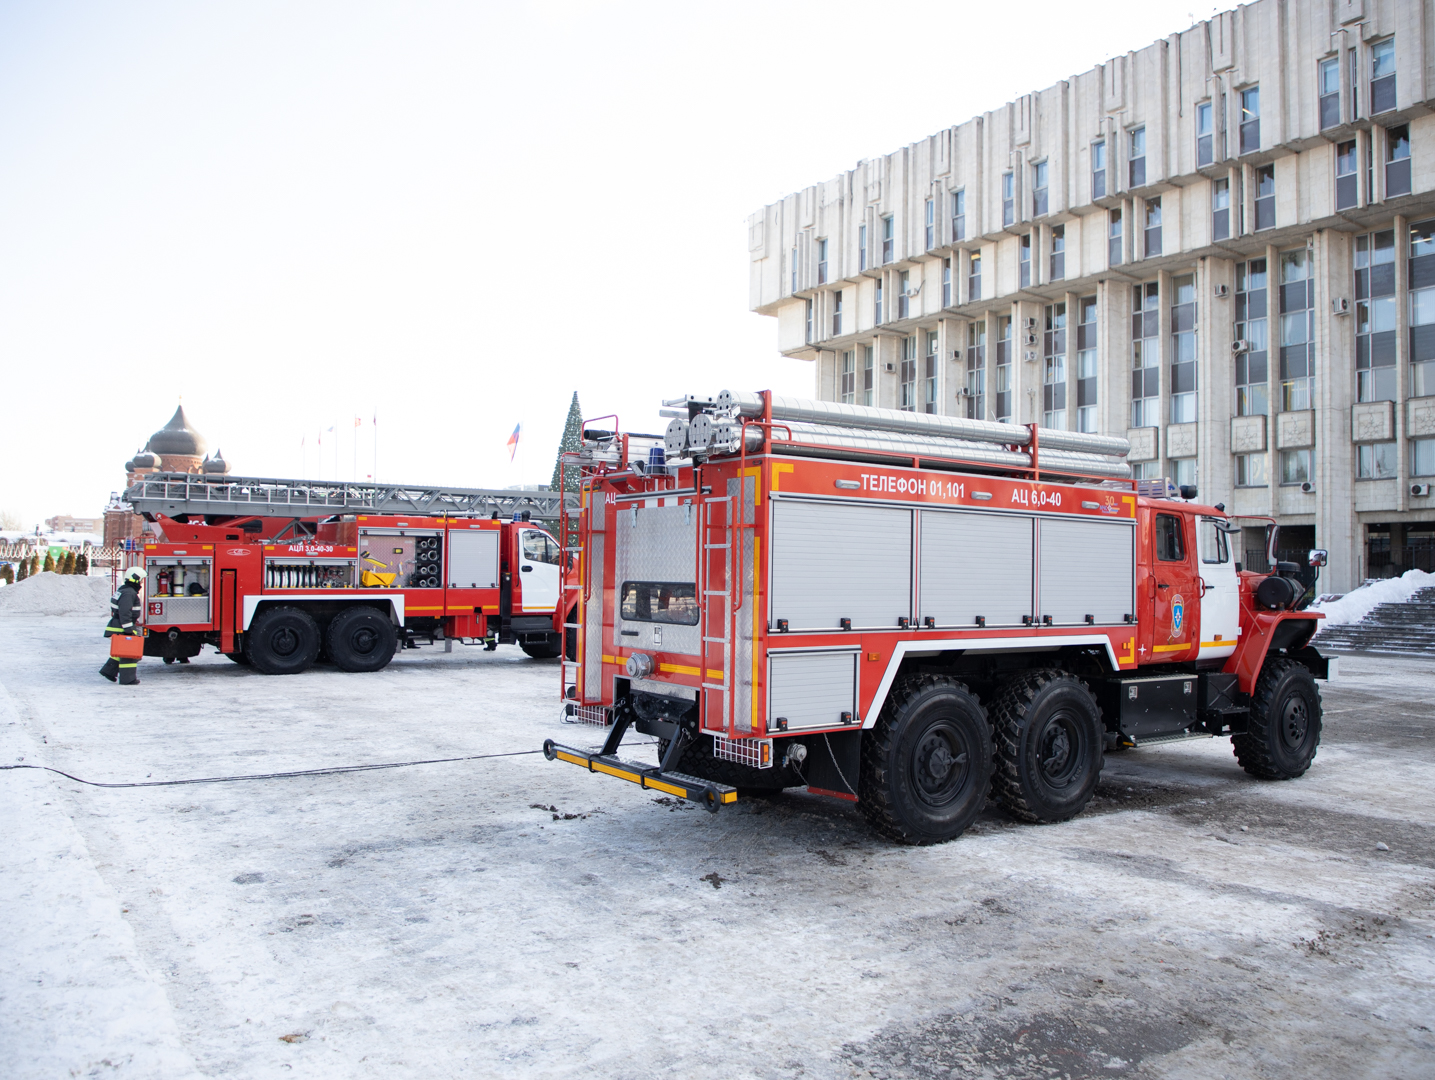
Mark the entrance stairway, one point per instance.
(1400, 629)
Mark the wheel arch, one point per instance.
(323, 607)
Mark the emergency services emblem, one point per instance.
(1178, 613)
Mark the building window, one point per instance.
(931, 235)
(794, 269)
(1205, 134)
(1397, 161)
(847, 391)
(903, 295)
(1008, 198)
(1252, 327)
(1053, 369)
(1145, 470)
(1422, 457)
(1024, 261)
(933, 366)
(837, 313)
(1295, 466)
(1003, 369)
(861, 247)
(959, 215)
(976, 370)
(974, 277)
(1250, 120)
(1039, 173)
(1098, 169)
(1329, 92)
(869, 374)
(1086, 364)
(1145, 354)
(1347, 185)
(1375, 311)
(1136, 163)
(1376, 461)
(887, 239)
(1265, 197)
(946, 283)
(1382, 76)
(908, 400)
(822, 262)
(1183, 350)
(1153, 227)
(1113, 238)
(1422, 309)
(809, 322)
(1221, 209)
(1251, 470)
(1297, 360)
(1058, 252)
(1183, 472)
(877, 303)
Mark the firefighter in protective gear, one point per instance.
(124, 616)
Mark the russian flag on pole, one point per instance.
(513, 441)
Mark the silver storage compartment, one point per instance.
(834, 561)
(812, 689)
(975, 564)
(656, 545)
(1087, 568)
(177, 609)
(473, 559)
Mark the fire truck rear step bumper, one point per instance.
(710, 795)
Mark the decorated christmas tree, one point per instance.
(572, 440)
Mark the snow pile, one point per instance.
(1357, 604)
(57, 594)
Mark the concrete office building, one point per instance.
(1221, 246)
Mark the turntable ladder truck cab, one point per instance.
(277, 573)
(912, 611)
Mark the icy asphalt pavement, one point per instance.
(516, 918)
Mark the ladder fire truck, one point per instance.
(277, 573)
(913, 611)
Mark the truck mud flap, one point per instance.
(705, 792)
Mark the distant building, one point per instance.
(66, 524)
(1220, 246)
(175, 448)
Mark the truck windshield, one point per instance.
(660, 602)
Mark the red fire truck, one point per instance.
(913, 611)
(280, 588)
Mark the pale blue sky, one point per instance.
(294, 213)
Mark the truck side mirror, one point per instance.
(1318, 557)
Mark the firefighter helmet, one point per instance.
(134, 575)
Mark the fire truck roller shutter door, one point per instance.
(473, 559)
(976, 565)
(812, 690)
(656, 546)
(834, 561)
(1086, 568)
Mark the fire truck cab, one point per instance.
(913, 612)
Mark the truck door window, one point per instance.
(1170, 546)
(1212, 541)
(660, 602)
(539, 547)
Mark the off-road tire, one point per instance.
(1283, 731)
(926, 763)
(1047, 729)
(282, 641)
(361, 639)
(697, 759)
(546, 649)
(242, 659)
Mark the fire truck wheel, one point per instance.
(1048, 737)
(1283, 731)
(282, 641)
(926, 763)
(570, 637)
(546, 649)
(239, 658)
(361, 639)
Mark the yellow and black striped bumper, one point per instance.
(712, 796)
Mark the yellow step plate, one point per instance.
(709, 794)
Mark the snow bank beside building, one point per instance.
(57, 594)
(1357, 604)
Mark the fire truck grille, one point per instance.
(756, 753)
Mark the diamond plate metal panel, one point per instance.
(656, 543)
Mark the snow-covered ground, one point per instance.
(48, 593)
(1360, 602)
(511, 917)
